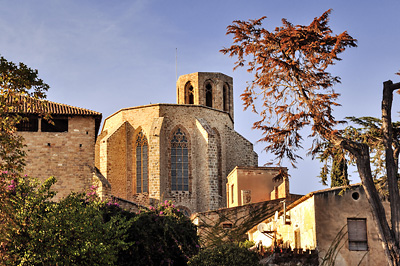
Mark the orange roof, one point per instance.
(33, 106)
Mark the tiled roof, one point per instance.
(34, 106)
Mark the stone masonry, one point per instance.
(214, 148)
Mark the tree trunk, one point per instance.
(361, 152)
(391, 167)
(389, 235)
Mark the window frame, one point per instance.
(357, 234)
(142, 177)
(58, 124)
(29, 123)
(209, 94)
(189, 93)
(179, 157)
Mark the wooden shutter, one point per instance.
(357, 234)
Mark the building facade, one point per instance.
(62, 147)
(180, 152)
(336, 222)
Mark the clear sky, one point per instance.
(107, 55)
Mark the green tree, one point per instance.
(338, 171)
(39, 231)
(290, 75)
(18, 83)
(160, 236)
(225, 255)
(366, 130)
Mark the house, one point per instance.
(336, 222)
(253, 193)
(252, 184)
(62, 147)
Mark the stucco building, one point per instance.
(336, 222)
(180, 152)
(250, 184)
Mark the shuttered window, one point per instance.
(357, 234)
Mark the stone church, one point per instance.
(181, 152)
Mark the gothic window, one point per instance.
(179, 162)
(357, 234)
(209, 96)
(189, 91)
(141, 164)
(226, 97)
(219, 162)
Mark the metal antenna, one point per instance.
(176, 63)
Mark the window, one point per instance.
(357, 234)
(209, 95)
(141, 164)
(179, 162)
(189, 91)
(30, 124)
(297, 239)
(219, 163)
(226, 97)
(55, 125)
(227, 226)
(232, 193)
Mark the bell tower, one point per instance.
(214, 90)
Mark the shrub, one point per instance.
(160, 236)
(225, 255)
(37, 231)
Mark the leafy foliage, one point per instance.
(225, 255)
(160, 236)
(290, 76)
(338, 173)
(82, 230)
(367, 130)
(16, 83)
(213, 233)
(289, 66)
(37, 230)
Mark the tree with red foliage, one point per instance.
(296, 91)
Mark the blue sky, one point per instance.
(108, 55)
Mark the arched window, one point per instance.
(189, 93)
(226, 97)
(219, 162)
(179, 162)
(142, 159)
(209, 96)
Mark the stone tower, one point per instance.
(209, 89)
(180, 152)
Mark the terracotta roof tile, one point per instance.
(33, 106)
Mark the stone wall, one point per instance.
(117, 161)
(236, 221)
(211, 138)
(198, 80)
(68, 156)
(239, 150)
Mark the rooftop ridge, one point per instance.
(31, 106)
